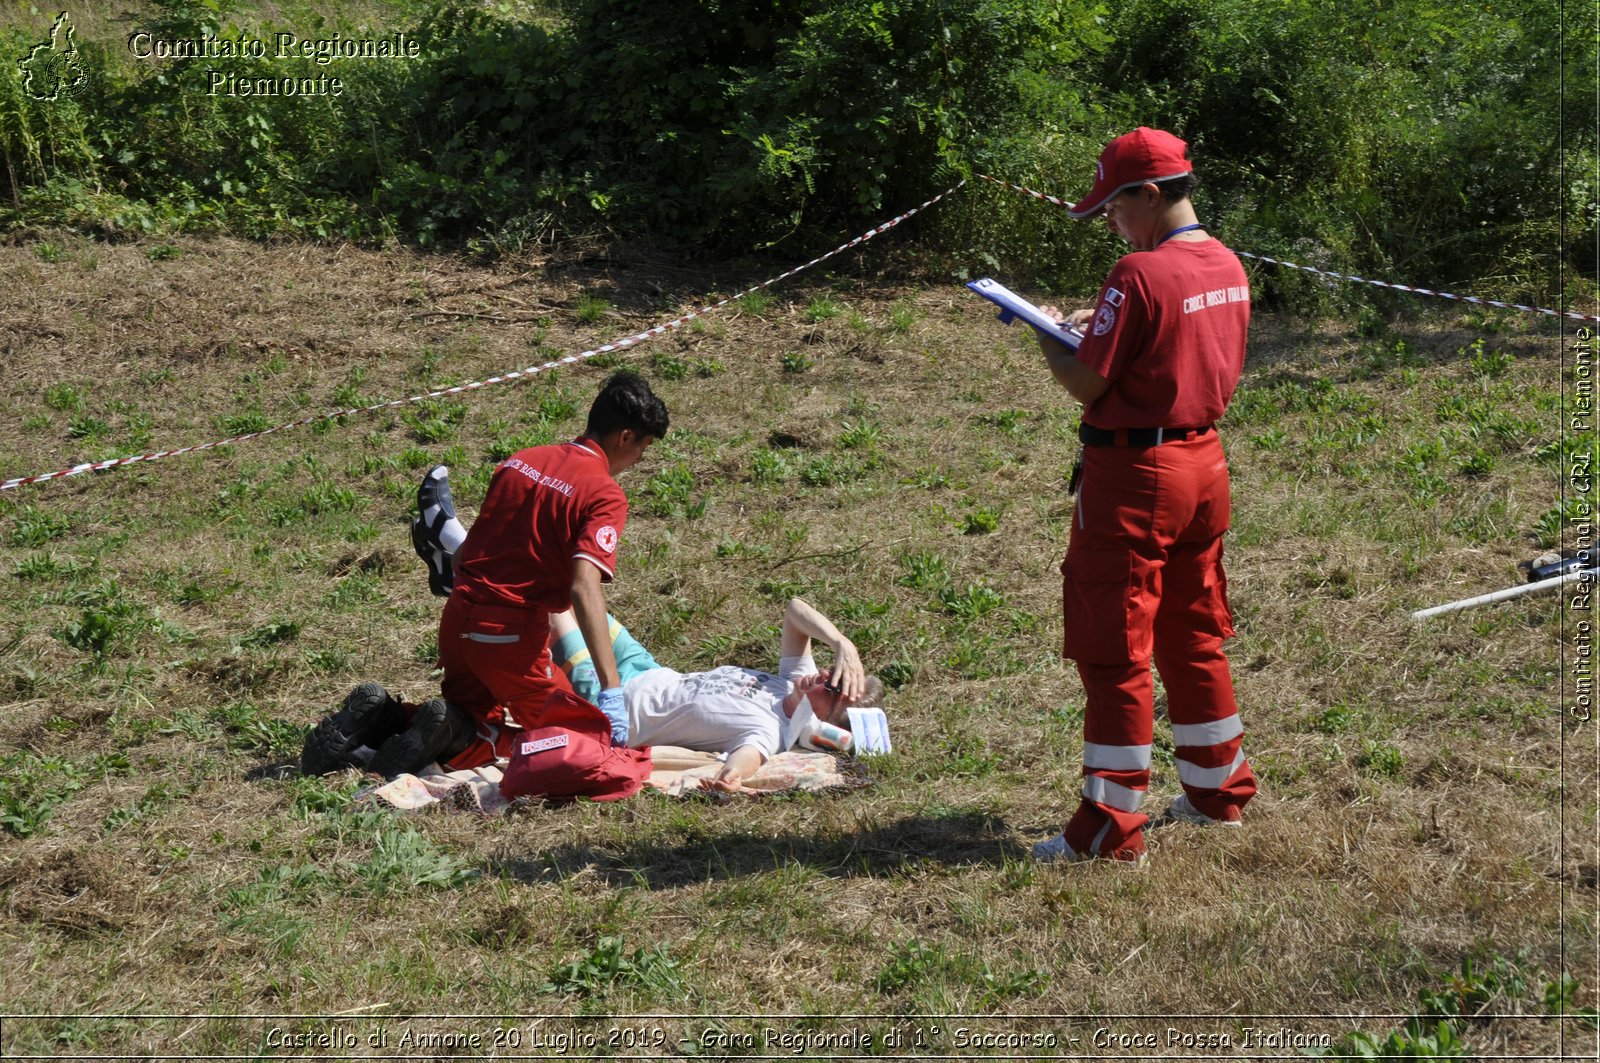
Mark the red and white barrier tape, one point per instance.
(622, 344)
(1573, 314)
(1025, 191)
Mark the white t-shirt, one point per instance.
(716, 711)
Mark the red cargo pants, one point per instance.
(497, 671)
(1143, 578)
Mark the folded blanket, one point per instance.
(476, 790)
(677, 772)
(794, 770)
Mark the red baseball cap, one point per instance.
(1132, 159)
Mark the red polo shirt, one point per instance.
(1169, 334)
(546, 508)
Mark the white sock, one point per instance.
(452, 535)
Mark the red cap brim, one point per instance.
(1098, 196)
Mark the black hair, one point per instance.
(1176, 188)
(626, 401)
(1173, 189)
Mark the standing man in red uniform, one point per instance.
(1161, 356)
(544, 541)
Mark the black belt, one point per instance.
(1090, 436)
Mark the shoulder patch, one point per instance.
(1103, 320)
(1114, 297)
(606, 539)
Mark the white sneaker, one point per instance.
(1056, 850)
(1183, 810)
(1052, 849)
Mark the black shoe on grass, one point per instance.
(369, 716)
(438, 731)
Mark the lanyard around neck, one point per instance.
(1180, 229)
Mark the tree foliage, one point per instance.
(1406, 137)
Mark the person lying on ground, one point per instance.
(746, 713)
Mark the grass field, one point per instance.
(1424, 841)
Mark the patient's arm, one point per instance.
(740, 765)
(801, 624)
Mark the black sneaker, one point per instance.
(441, 568)
(370, 715)
(438, 732)
(436, 509)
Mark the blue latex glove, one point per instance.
(611, 703)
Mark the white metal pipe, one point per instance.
(1510, 592)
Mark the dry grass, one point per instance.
(1414, 784)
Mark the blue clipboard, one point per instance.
(1013, 307)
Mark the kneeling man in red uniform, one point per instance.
(545, 541)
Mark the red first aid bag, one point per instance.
(569, 754)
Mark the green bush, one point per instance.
(1400, 140)
(681, 118)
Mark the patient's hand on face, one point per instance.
(848, 676)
